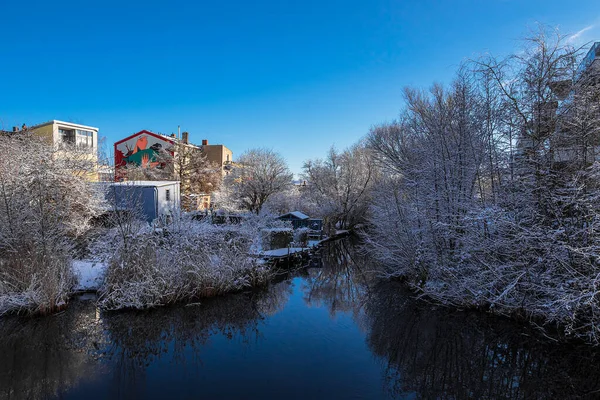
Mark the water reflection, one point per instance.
(181, 334)
(45, 357)
(437, 353)
(432, 352)
(175, 335)
(341, 283)
(63, 355)
(331, 331)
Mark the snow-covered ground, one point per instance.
(283, 252)
(90, 274)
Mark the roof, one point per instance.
(214, 145)
(55, 121)
(169, 138)
(146, 183)
(145, 132)
(295, 214)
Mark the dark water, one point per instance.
(326, 332)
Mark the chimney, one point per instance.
(15, 129)
(204, 142)
(185, 137)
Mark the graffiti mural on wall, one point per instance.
(141, 149)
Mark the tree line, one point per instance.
(489, 196)
(484, 192)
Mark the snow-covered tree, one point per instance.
(341, 185)
(295, 198)
(491, 195)
(46, 203)
(258, 174)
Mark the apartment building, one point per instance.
(67, 133)
(573, 146)
(218, 154)
(66, 137)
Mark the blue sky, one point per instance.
(295, 77)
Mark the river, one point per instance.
(326, 331)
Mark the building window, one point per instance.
(81, 138)
(168, 195)
(85, 139)
(67, 135)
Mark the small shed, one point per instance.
(153, 199)
(301, 220)
(294, 216)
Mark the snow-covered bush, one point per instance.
(182, 261)
(394, 238)
(301, 237)
(276, 238)
(46, 204)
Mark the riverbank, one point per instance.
(135, 266)
(342, 330)
(227, 260)
(560, 311)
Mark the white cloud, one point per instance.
(580, 35)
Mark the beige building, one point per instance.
(65, 135)
(60, 132)
(218, 154)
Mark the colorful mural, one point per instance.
(141, 149)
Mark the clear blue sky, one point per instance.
(296, 77)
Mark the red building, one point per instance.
(141, 149)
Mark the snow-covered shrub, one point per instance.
(184, 260)
(276, 238)
(35, 284)
(301, 237)
(46, 204)
(393, 238)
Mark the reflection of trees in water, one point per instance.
(44, 357)
(438, 353)
(341, 282)
(273, 300)
(137, 339)
(444, 354)
(431, 353)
